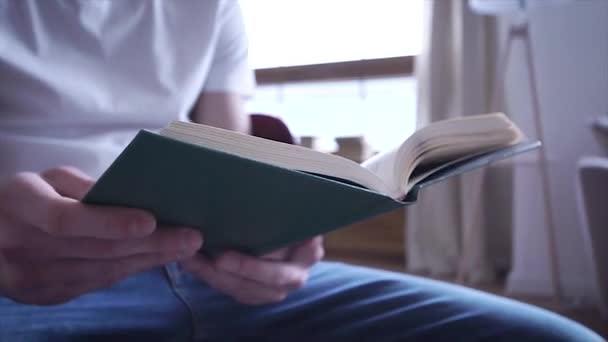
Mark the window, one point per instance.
(358, 41)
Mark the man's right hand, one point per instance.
(54, 248)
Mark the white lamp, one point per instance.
(517, 10)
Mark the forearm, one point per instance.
(224, 110)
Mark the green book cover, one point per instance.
(242, 204)
(236, 203)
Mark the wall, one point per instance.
(571, 56)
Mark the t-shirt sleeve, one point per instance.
(230, 70)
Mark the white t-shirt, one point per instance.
(78, 79)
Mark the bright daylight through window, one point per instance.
(301, 32)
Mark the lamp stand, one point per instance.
(521, 31)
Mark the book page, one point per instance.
(386, 173)
(384, 166)
(441, 142)
(287, 156)
(446, 141)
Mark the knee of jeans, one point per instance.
(530, 323)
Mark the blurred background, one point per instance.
(354, 77)
(350, 96)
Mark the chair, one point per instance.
(270, 127)
(592, 196)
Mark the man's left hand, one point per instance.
(258, 280)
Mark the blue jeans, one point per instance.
(340, 302)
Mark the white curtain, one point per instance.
(460, 227)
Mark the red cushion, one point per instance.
(270, 127)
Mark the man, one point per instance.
(79, 79)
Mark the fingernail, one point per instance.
(191, 239)
(141, 225)
(229, 262)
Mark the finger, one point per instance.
(163, 241)
(68, 181)
(241, 289)
(69, 218)
(309, 252)
(104, 273)
(268, 272)
(57, 281)
(280, 254)
(36, 244)
(12, 232)
(33, 200)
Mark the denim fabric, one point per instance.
(340, 302)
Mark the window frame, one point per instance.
(359, 69)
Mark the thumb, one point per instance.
(309, 252)
(68, 181)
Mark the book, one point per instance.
(354, 148)
(255, 195)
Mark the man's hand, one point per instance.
(252, 280)
(54, 248)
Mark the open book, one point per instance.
(393, 173)
(255, 195)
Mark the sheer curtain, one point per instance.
(462, 226)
